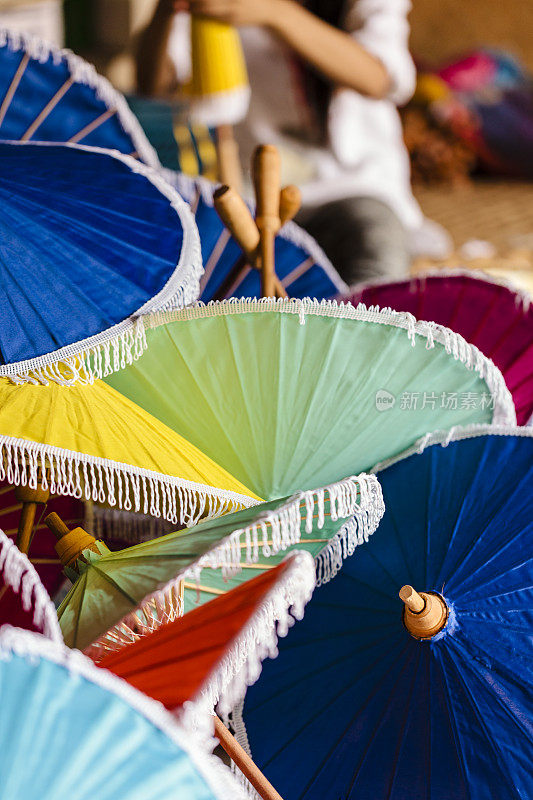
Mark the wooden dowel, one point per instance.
(266, 170)
(56, 525)
(229, 165)
(237, 218)
(25, 529)
(30, 499)
(241, 758)
(412, 599)
(290, 202)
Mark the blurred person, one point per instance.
(326, 77)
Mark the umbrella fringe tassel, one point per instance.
(358, 499)
(66, 472)
(242, 663)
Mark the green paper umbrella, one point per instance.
(136, 589)
(291, 394)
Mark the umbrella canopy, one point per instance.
(92, 442)
(145, 578)
(52, 95)
(71, 729)
(301, 265)
(293, 394)
(379, 710)
(91, 240)
(492, 315)
(24, 601)
(210, 656)
(91, 106)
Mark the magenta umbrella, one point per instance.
(490, 314)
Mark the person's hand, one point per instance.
(235, 12)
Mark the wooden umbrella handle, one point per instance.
(241, 758)
(266, 171)
(30, 499)
(229, 165)
(237, 218)
(290, 202)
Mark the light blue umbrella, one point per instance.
(70, 729)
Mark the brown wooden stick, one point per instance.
(266, 169)
(290, 202)
(237, 218)
(412, 599)
(25, 529)
(241, 758)
(30, 499)
(229, 165)
(56, 525)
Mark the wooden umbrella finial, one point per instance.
(424, 613)
(266, 170)
(70, 543)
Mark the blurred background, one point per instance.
(468, 129)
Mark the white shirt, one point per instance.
(365, 154)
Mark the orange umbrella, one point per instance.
(210, 655)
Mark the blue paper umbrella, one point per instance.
(69, 729)
(301, 265)
(89, 241)
(54, 96)
(356, 706)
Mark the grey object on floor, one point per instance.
(362, 237)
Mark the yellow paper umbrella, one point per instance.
(219, 86)
(219, 89)
(92, 442)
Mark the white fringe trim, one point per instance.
(454, 344)
(66, 472)
(20, 574)
(83, 72)
(241, 665)
(522, 297)
(358, 497)
(115, 348)
(455, 434)
(220, 108)
(190, 188)
(31, 646)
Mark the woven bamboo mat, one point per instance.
(497, 212)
